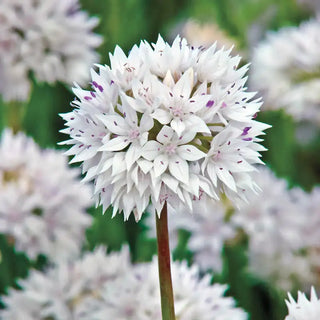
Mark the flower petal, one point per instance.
(190, 153)
(151, 149)
(179, 169)
(160, 164)
(115, 144)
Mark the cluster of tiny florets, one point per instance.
(101, 286)
(52, 39)
(42, 202)
(285, 69)
(164, 124)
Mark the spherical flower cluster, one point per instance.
(285, 69)
(203, 34)
(283, 219)
(208, 230)
(103, 287)
(52, 39)
(42, 202)
(164, 124)
(303, 309)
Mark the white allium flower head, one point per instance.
(208, 230)
(285, 69)
(66, 290)
(164, 124)
(108, 287)
(52, 39)
(275, 218)
(42, 202)
(303, 309)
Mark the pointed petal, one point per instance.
(179, 169)
(165, 134)
(190, 153)
(115, 124)
(115, 144)
(151, 149)
(162, 116)
(184, 85)
(160, 164)
(178, 125)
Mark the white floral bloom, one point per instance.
(208, 230)
(303, 309)
(279, 218)
(42, 202)
(101, 286)
(66, 290)
(136, 296)
(52, 39)
(160, 124)
(285, 69)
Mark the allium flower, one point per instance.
(208, 231)
(164, 124)
(53, 39)
(282, 220)
(42, 203)
(303, 309)
(285, 68)
(66, 290)
(203, 34)
(108, 287)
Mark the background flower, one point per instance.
(42, 203)
(52, 39)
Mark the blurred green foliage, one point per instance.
(125, 23)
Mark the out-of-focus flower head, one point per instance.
(107, 287)
(303, 309)
(278, 223)
(208, 230)
(67, 290)
(203, 34)
(164, 124)
(52, 39)
(42, 202)
(285, 69)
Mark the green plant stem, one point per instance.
(167, 302)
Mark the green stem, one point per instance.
(167, 302)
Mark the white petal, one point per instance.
(225, 176)
(151, 149)
(196, 124)
(145, 165)
(115, 144)
(190, 153)
(146, 122)
(179, 169)
(184, 85)
(115, 124)
(165, 134)
(162, 116)
(178, 125)
(160, 164)
(132, 154)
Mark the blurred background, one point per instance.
(293, 145)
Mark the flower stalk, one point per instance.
(166, 291)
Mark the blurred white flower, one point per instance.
(109, 287)
(42, 202)
(164, 124)
(66, 290)
(303, 309)
(203, 34)
(208, 230)
(285, 69)
(278, 224)
(53, 39)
